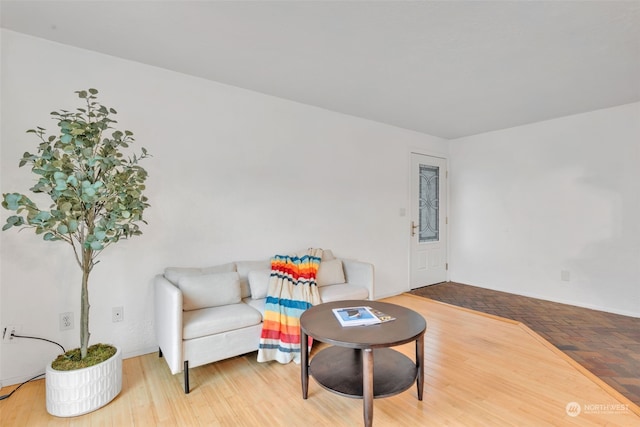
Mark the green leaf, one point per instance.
(61, 185)
(13, 221)
(11, 201)
(42, 216)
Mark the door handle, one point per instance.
(413, 228)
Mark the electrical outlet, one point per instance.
(117, 314)
(7, 333)
(66, 321)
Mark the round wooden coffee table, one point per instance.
(347, 367)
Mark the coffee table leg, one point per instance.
(420, 364)
(367, 386)
(304, 364)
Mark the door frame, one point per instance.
(445, 157)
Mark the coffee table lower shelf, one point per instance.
(339, 370)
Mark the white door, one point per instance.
(428, 220)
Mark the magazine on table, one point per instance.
(384, 317)
(356, 316)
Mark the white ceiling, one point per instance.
(446, 68)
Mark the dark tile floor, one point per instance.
(606, 344)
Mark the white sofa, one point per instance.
(203, 315)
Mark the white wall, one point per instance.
(235, 175)
(532, 201)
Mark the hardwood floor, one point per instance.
(479, 370)
(607, 344)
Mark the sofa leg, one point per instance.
(159, 352)
(186, 377)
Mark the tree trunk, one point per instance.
(84, 304)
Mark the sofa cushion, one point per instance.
(214, 320)
(327, 255)
(342, 292)
(258, 304)
(209, 290)
(243, 269)
(173, 274)
(330, 273)
(259, 283)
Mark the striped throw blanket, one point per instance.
(292, 289)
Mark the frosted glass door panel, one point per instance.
(428, 212)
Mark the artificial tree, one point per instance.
(97, 192)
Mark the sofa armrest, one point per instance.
(168, 321)
(359, 273)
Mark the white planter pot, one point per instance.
(72, 393)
